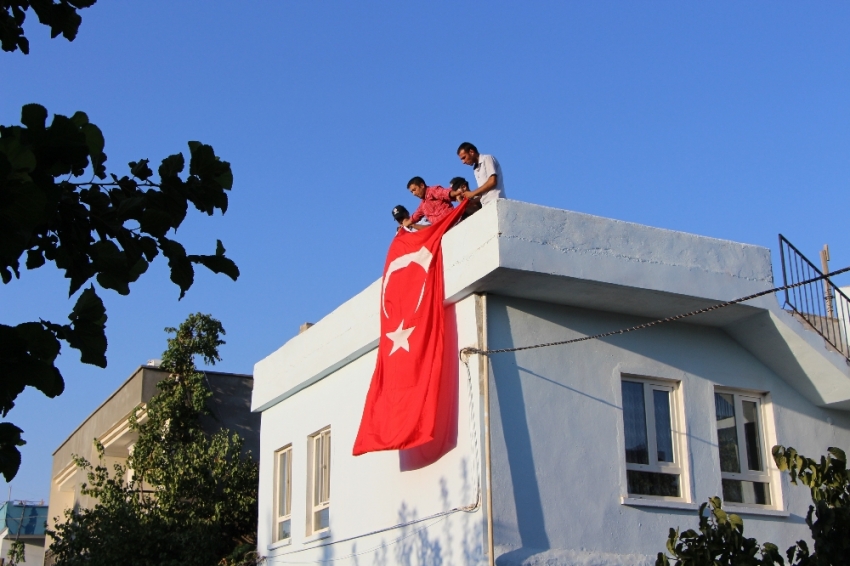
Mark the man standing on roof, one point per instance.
(488, 174)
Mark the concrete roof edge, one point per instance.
(128, 380)
(99, 407)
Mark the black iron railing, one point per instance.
(820, 304)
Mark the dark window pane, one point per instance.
(283, 530)
(650, 483)
(727, 434)
(663, 432)
(321, 519)
(754, 493)
(751, 434)
(634, 420)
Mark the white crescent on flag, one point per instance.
(423, 257)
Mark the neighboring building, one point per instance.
(109, 423)
(596, 448)
(24, 521)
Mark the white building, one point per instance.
(589, 452)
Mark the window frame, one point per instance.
(763, 476)
(278, 518)
(677, 466)
(315, 502)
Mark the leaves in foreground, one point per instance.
(59, 15)
(721, 542)
(59, 206)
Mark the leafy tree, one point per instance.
(94, 226)
(829, 517)
(61, 17)
(17, 553)
(186, 496)
(721, 540)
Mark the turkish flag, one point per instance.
(402, 404)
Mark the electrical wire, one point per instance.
(470, 350)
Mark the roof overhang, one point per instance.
(534, 252)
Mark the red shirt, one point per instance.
(436, 204)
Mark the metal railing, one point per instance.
(820, 304)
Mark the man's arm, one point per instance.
(489, 168)
(489, 184)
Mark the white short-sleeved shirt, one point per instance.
(486, 167)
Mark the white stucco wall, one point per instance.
(371, 492)
(558, 462)
(33, 549)
(558, 451)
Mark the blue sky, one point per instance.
(725, 119)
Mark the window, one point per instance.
(319, 484)
(740, 442)
(283, 494)
(653, 457)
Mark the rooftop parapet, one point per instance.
(535, 252)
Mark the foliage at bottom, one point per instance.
(721, 541)
(185, 496)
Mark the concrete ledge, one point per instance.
(535, 252)
(663, 503)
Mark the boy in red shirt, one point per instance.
(436, 201)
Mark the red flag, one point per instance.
(401, 406)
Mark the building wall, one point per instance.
(381, 493)
(557, 433)
(33, 549)
(229, 406)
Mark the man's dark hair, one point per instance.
(458, 182)
(416, 181)
(466, 146)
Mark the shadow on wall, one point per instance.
(513, 420)
(445, 433)
(425, 543)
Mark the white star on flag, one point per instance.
(399, 337)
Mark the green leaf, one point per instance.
(155, 222)
(40, 342)
(94, 142)
(20, 157)
(182, 272)
(736, 521)
(35, 259)
(87, 332)
(34, 116)
(80, 119)
(171, 166)
(838, 454)
(141, 169)
(217, 263)
(10, 456)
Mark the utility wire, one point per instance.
(470, 350)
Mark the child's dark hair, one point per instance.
(457, 183)
(416, 181)
(400, 213)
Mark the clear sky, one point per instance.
(726, 119)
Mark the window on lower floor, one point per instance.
(653, 454)
(283, 494)
(741, 446)
(319, 484)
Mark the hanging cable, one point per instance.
(470, 350)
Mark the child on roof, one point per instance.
(462, 186)
(436, 201)
(400, 214)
